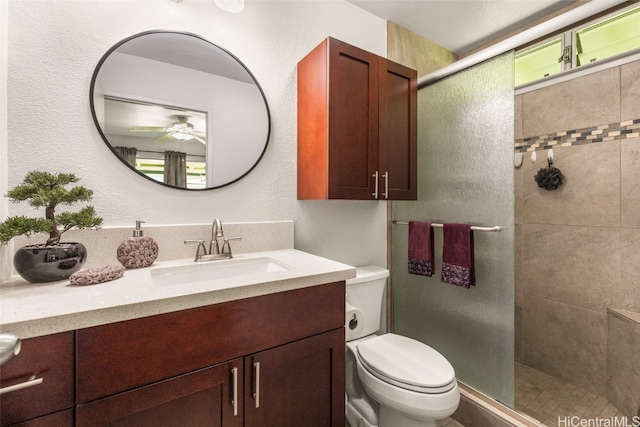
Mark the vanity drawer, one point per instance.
(49, 358)
(125, 355)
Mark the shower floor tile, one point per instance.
(551, 401)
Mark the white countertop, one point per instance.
(29, 310)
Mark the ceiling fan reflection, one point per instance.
(181, 129)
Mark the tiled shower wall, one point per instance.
(578, 247)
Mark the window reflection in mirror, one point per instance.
(143, 133)
(193, 113)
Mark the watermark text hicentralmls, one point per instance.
(576, 421)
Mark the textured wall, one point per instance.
(53, 48)
(5, 256)
(412, 50)
(577, 246)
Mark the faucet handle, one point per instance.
(201, 251)
(226, 247)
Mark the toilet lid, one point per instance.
(407, 363)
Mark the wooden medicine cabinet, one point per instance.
(357, 125)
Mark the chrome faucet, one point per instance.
(216, 231)
(214, 246)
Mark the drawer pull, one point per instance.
(256, 394)
(33, 381)
(234, 375)
(386, 185)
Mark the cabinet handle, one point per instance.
(375, 191)
(234, 376)
(386, 185)
(32, 382)
(256, 394)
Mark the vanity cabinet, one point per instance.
(281, 354)
(38, 384)
(357, 125)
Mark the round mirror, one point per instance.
(180, 110)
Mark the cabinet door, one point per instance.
(398, 131)
(297, 384)
(353, 121)
(203, 398)
(39, 380)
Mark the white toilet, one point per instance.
(392, 381)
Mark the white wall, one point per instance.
(53, 47)
(5, 251)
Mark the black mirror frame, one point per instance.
(106, 141)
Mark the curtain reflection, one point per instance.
(128, 154)
(175, 169)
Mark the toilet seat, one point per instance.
(406, 363)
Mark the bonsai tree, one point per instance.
(44, 189)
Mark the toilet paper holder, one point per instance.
(353, 323)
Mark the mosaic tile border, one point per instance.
(590, 135)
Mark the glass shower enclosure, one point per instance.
(465, 175)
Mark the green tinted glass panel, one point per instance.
(608, 38)
(538, 62)
(465, 154)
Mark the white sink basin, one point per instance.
(215, 270)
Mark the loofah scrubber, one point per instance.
(549, 178)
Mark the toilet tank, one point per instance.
(365, 292)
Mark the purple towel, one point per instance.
(420, 248)
(457, 255)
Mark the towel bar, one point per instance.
(438, 225)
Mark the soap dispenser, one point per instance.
(137, 251)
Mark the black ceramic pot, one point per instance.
(41, 263)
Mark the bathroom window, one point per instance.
(154, 169)
(604, 39)
(538, 62)
(608, 37)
